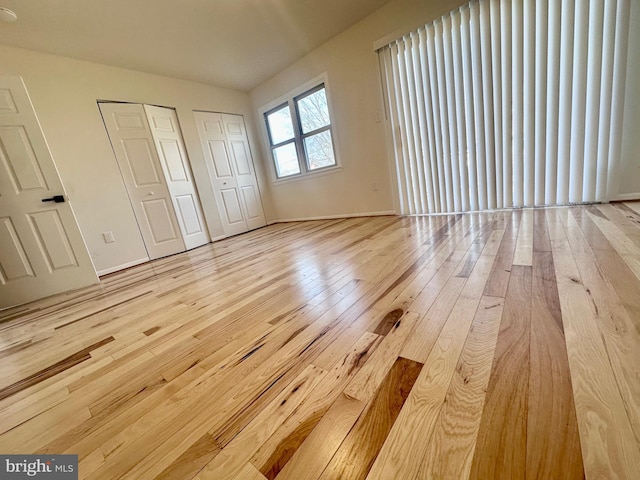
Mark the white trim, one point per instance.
(307, 176)
(628, 196)
(117, 268)
(333, 217)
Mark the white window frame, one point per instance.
(290, 98)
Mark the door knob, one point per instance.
(150, 194)
(55, 199)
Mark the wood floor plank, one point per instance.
(33, 401)
(418, 346)
(627, 246)
(42, 429)
(192, 460)
(395, 300)
(274, 453)
(402, 454)
(624, 218)
(618, 331)
(90, 464)
(310, 460)
(93, 433)
(454, 258)
(524, 245)
(247, 472)
(609, 447)
(633, 205)
(360, 448)
(499, 278)
(388, 322)
(626, 284)
(501, 449)
(52, 370)
(494, 241)
(229, 463)
(450, 449)
(367, 381)
(541, 242)
(141, 440)
(550, 406)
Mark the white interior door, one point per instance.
(41, 249)
(226, 149)
(138, 159)
(175, 164)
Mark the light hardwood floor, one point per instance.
(485, 346)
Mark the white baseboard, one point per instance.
(107, 271)
(333, 217)
(628, 196)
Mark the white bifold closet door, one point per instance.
(226, 149)
(150, 152)
(175, 165)
(509, 103)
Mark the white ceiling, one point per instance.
(228, 43)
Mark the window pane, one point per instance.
(319, 150)
(286, 160)
(280, 125)
(313, 111)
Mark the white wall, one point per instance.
(352, 68)
(630, 174)
(64, 93)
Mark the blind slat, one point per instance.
(592, 106)
(496, 66)
(578, 100)
(506, 71)
(540, 137)
(476, 70)
(529, 105)
(517, 99)
(564, 114)
(456, 36)
(553, 103)
(469, 110)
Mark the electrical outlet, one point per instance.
(374, 186)
(108, 237)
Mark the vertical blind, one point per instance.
(508, 103)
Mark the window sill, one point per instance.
(308, 175)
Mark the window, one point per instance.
(300, 134)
